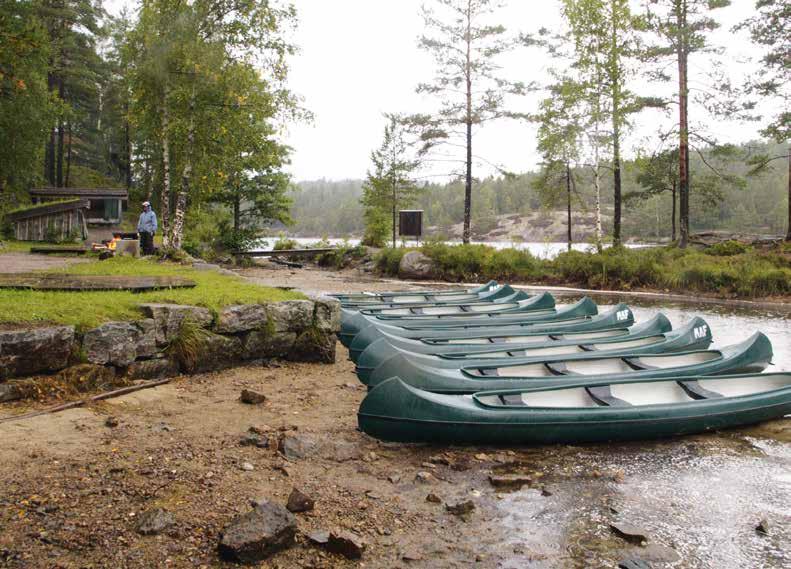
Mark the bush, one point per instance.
(727, 249)
(284, 242)
(389, 258)
(341, 256)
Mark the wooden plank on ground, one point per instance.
(47, 250)
(66, 282)
(286, 252)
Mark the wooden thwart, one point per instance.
(58, 281)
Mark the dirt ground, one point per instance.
(25, 262)
(73, 487)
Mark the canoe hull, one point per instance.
(395, 412)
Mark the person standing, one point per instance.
(146, 227)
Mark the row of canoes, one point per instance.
(494, 365)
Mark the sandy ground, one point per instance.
(24, 262)
(73, 487)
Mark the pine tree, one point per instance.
(390, 186)
(465, 46)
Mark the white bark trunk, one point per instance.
(164, 206)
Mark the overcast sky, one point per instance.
(359, 59)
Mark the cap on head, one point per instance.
(146, 204)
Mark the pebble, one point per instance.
(247, 466)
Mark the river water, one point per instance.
(541, 250)
(697, 498)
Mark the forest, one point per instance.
(185, 105)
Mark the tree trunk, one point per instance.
(49, 155)
(164, 214)
(673, 214)
(683, 125)
(67, 181)
(128, 147)
(788, 231)
(395, 205)
(616, 136)
(186, 178)
(237, 214)
(468, 120)
(568, 205)
(59, 160)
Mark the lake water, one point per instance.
(543, 250)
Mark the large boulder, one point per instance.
(211, 353)
(415, 265)
(267, 344)
(34, 350)
(313, 346)
(152, 369)
(120, 343)
(241, 318)
(169, 317)
(326, 313)
(254, 536)
(290, 315)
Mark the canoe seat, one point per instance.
(416, 310)
(513, 399)
(488, 372)
(602, 395)
(587, 347)
(498, 340)
(557, 368)
(696, 391)
(637, 365)
(557, 337)
(465, 308)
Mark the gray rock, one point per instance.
(152, 369)
(254, 536)
(247, 467)
(433, 498)
(154, 521)
(415, 265)
(241, 318)
(120, 343)
(251, 397)
(319, 537)
(33, 350)
(9, 392)
(342, 451)
(326, 313)
(345, 543)
(424, 477)
(263, 344)
(629, 532)
(298, 446)
(215, 352)
(461, 509)
(652, 553)
(314, 346)
(291, 315)
(633, 564)
(168, 318)
(299, 502)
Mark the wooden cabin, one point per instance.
(53, 222)
(105, 205)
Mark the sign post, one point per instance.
(410, 223)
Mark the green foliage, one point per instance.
(284, 243)
(727, 249)
(388, 259)
(188, 344)
(88, 309)
(342, 256)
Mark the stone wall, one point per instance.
(171, 339)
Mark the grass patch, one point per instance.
(730, 270)
(86, 310)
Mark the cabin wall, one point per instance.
(54, 227)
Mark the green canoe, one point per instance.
(387, 344)
(500, 292)
(694, 335)
(539, 305)
(413, 295)
(750, 356)
(579, 317)
(613, 410)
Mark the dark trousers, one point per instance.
(147, 242)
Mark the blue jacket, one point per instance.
(147, 222)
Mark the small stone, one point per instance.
(299, 502)
(461, 509)
(762, 527)
(346, 543)
(254, 440)
(411, 555)
(509, 481)
(633, 564)
(423, 477)
(319, 537)
(251, 397)
(545, 492)
(461, 464)
(247, 467)
(297, 446)
(394, 478)
(629, 532)
(111, 422)
(482, 456)
(153, 522)
(433, 498)
(439, 459)
(259, 429)
(254, 536)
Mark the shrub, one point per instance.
(727, 249)
(284, 242)
(389, 258)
